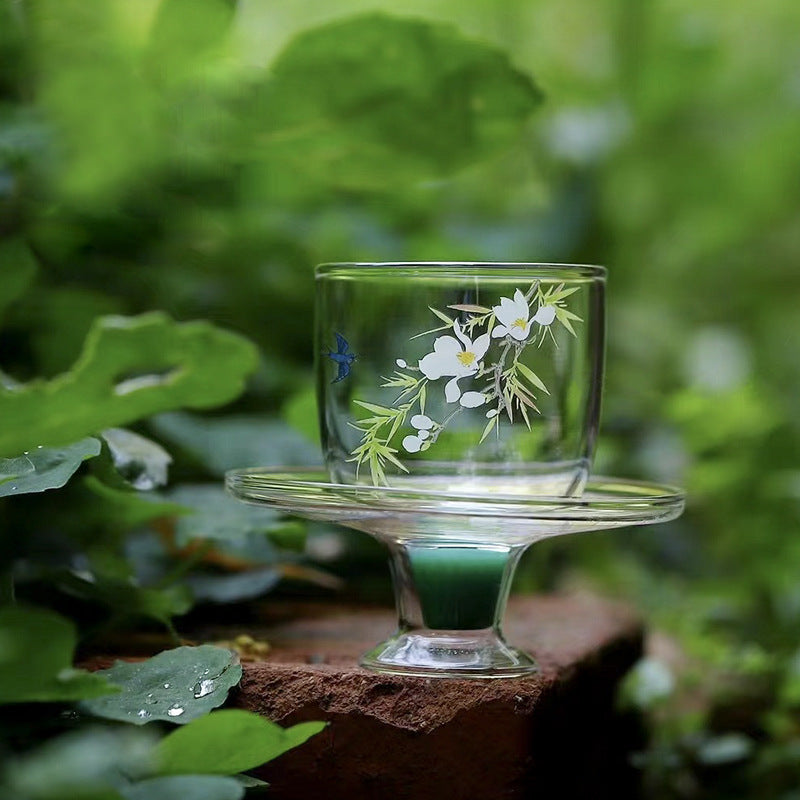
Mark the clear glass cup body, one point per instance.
(460, 375)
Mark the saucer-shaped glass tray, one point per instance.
(453, 548)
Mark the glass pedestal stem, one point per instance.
(451, 599)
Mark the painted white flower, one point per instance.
(454, 356)
(412, 443)
(423, 424)
(472, 399)
(513, 317)
(545, 315)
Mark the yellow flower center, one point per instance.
(466, 358)
(520, 323)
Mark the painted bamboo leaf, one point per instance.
(442, 316)
(532, 377)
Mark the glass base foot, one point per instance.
(449, 654)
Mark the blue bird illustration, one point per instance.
(342, 358)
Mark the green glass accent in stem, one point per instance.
(458, 587)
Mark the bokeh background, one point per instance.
(198, 157)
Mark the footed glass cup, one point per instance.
(477, 379)
(453, 554)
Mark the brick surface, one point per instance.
(553, 734)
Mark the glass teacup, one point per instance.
(468, 377)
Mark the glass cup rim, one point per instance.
(558, 271)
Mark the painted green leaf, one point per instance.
(373, 101)
(532, 377)
(36, 650)
(50, 467)
(489, 427)
(381, 411)
(177, 685)
(228, 741)
(442, 316)
(185, 787)
(17, 266)
(130, 367)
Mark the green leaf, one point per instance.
(142, 462)
(183, 33)
(17, 266)
(236, 441)
(50, 467)
(11, 468)
(300, 412)
(130, 367)
(235, 587)
(129, 508)
(185, 787)
(58, 319)
(125, 598)
(219, 517)
(177, 685)
(89, 87)
(532, 377)
(229, 741)
(83, 765)
(36, 650)
(375, 101)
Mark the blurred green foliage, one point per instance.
(197, 157)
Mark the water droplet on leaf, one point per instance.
(203, 688)
(142, 713)
(175, 711)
